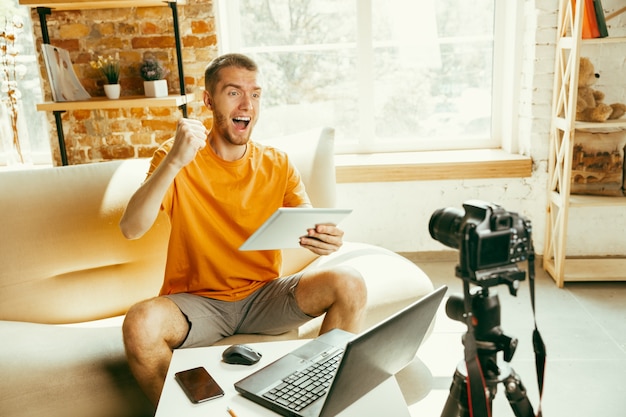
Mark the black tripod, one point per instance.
(489, 341)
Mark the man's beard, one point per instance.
(223, 123)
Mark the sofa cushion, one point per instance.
(312, 152)
(63, 256)
(58, 371)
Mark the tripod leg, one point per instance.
(516, 394)
(456, 404)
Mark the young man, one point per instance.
(217, 187)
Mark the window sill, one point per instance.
(435, 165)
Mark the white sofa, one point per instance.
(68, 276)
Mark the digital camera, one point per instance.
(487, 235)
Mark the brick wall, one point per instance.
(134, 33)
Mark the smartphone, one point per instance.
(198, 385)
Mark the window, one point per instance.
(34, 138)
(388, 75)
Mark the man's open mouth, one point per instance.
(241, 122)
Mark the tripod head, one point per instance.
(485, 321)
(510, 275)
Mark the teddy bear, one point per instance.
(589, 105)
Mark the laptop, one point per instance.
(282, 230)
(356, 364)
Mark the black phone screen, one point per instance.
(198, 385)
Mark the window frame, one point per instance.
(507, 47)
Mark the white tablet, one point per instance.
(285, 227)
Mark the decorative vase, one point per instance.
(157, 88)
(112, 91)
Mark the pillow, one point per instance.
(312, 152)
(598, 163)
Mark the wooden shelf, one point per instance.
(568, 42)
(562, 141)
(596, 201)
(94, 4)
(96, 103)
(590, 269)
(561, 123)
(576, 200)
(609, 124)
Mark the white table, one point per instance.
(386, 399)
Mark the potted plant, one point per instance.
(153, 74)
(110, 68)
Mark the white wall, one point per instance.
(395, 215)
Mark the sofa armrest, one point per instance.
(393, 282)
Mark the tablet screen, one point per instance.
(285, 227)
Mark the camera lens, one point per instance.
(444, 226)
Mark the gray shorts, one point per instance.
(272, 310)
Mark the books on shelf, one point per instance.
(593, 20)
(64, 83)
(600, 18)
(590, 24)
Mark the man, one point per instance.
(217, 186)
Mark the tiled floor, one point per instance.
(583, 326)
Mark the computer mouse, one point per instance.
(241, 355)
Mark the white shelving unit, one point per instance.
(562, 134)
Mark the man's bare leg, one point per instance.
(152, 329)
(339, 292)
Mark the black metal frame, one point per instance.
(45, 11)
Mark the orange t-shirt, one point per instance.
(214, 206)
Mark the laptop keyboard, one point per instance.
(301, 388)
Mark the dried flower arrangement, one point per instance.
(10, 74)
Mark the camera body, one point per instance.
(488, 236)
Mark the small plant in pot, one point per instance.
(110, 68)
(153, 74)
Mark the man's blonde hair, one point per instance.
(211, 73)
